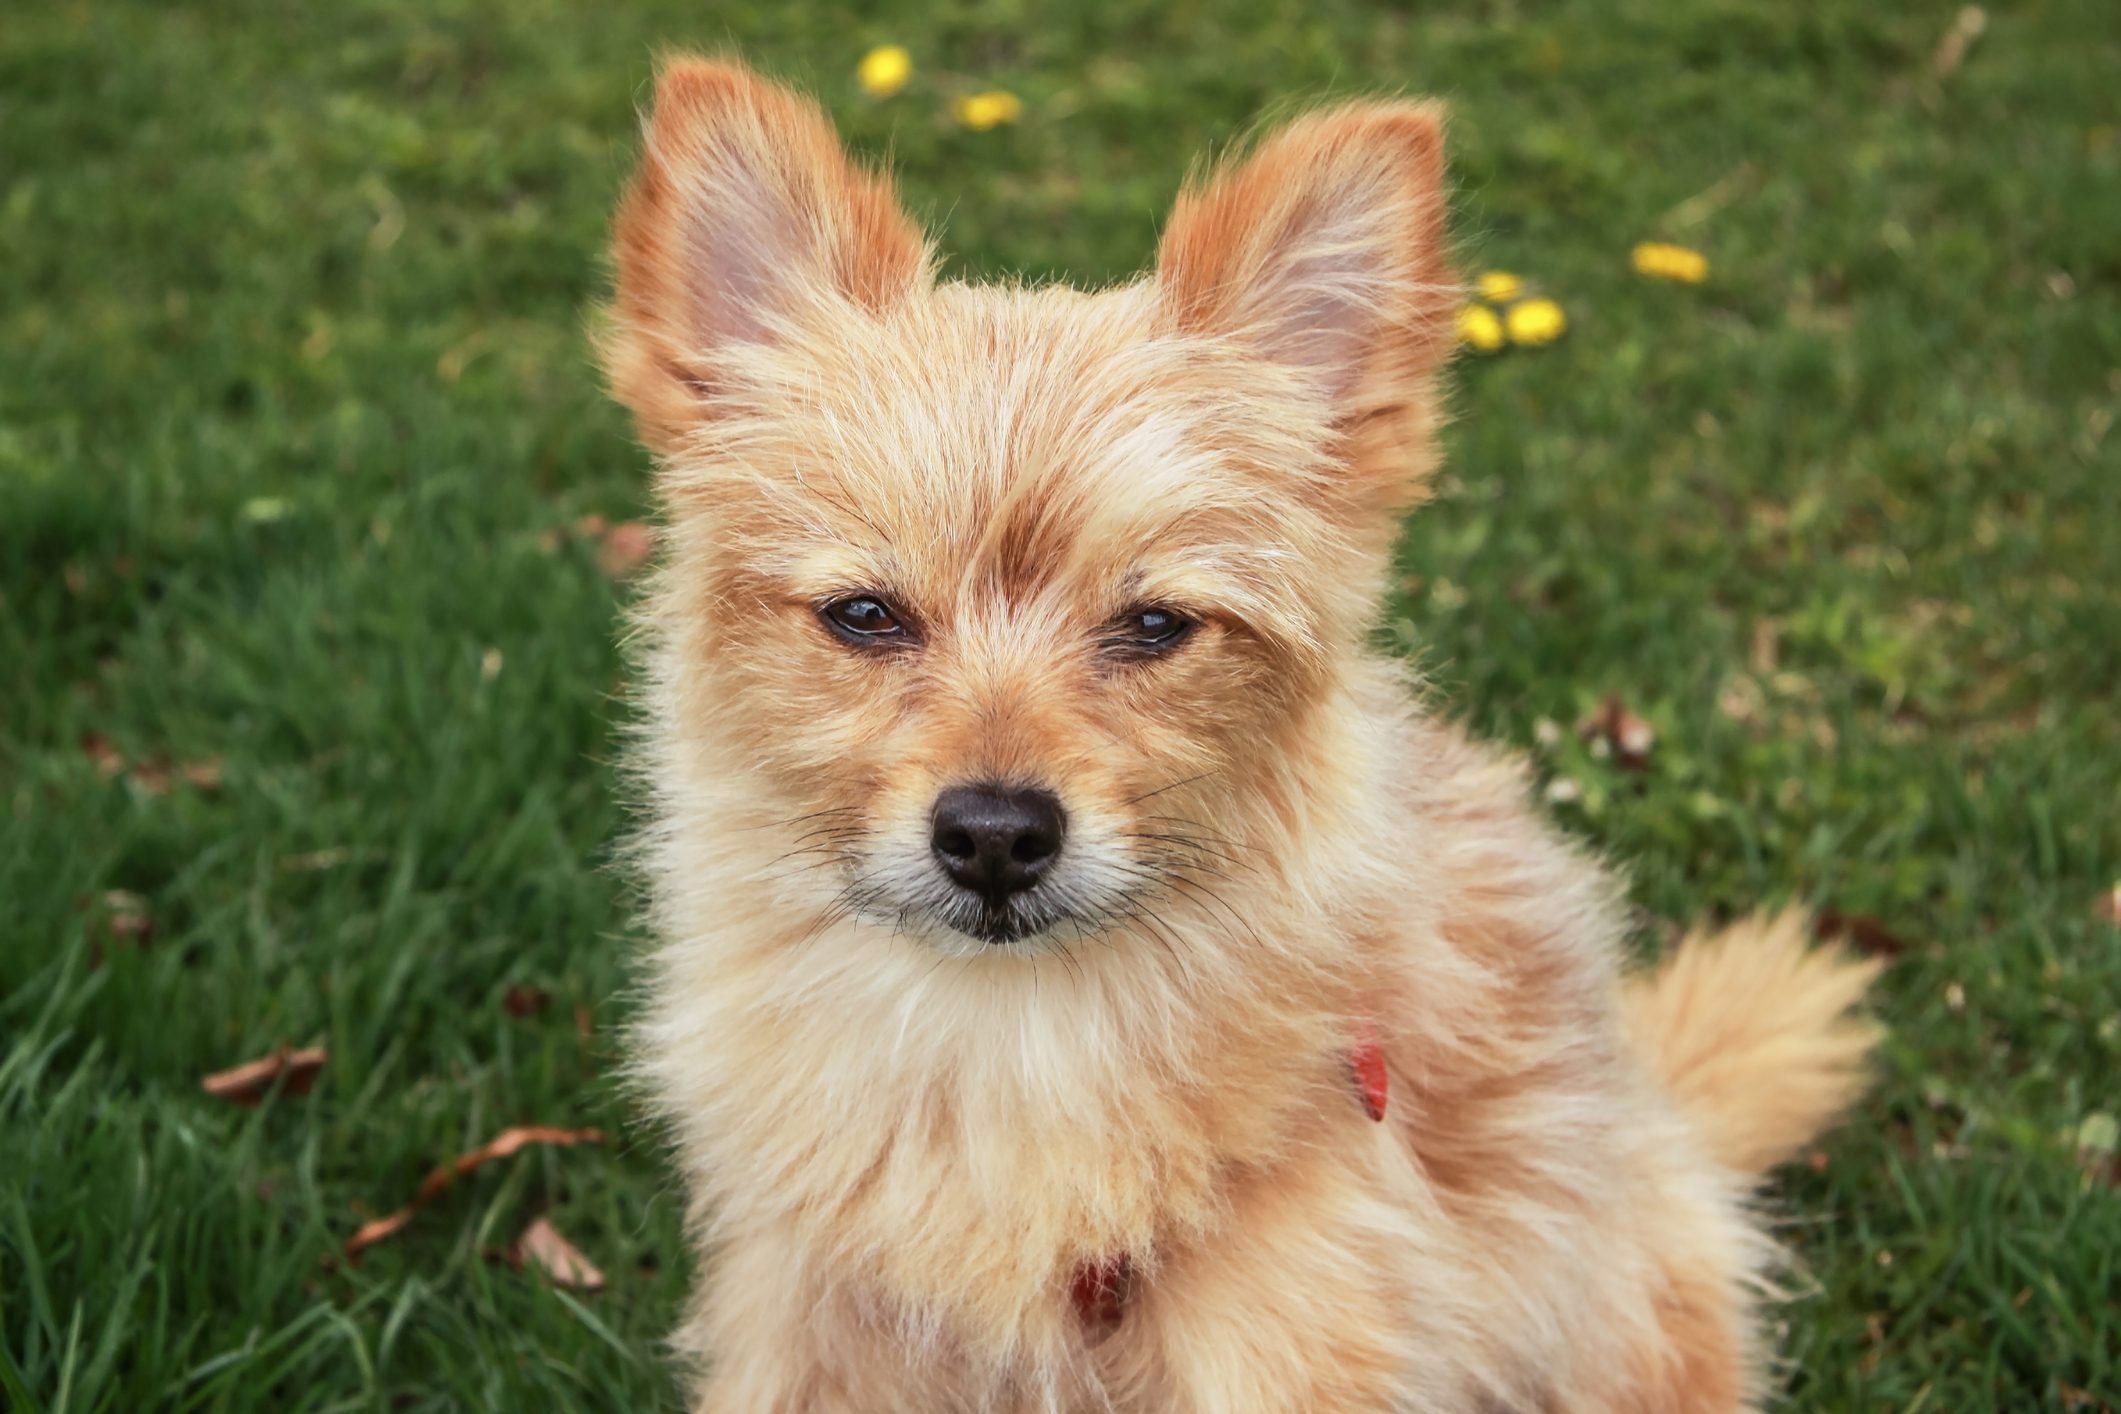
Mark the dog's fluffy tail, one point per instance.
(1753, 1032)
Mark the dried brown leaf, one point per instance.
(109, 760)
(1869, 935)
(507, 1142)
(249, 1083)
(542, 1246)
(375, 1231)
(153, 775)
(1629, 737)
(522, 999)
(442, 1176)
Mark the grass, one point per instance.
(296, 389)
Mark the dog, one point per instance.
(1086, 977)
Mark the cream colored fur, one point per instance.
(900, 1144)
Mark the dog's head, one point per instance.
(1020, 602)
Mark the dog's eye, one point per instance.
(1147, 630)
(864, 618)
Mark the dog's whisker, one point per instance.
(1161, 863)
(1142, 923)
(1174, 785)
(1194, 888)
(1197, 830)
(1067, 958)
(820, 857)
(1194, 845)
(794, 820)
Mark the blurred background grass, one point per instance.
(297, 421)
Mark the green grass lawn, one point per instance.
(297, 413)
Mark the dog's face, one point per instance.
(1014, 598)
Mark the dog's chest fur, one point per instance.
(967, 1148)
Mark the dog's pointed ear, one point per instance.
(1325, 251)
(745, 216)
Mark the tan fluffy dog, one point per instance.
(1052, 883)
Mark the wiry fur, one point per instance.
(900, 1143)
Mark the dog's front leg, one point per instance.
(764, 1362)
(774, 1331)
(750, 1342)
(769, 1336)
(1294, 1305)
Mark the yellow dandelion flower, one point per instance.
(981, 111)
(884, 70)
(1671, 262)
(1500, 286)
(1480, 327)
(1536, 321)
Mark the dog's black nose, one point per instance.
(996, 841)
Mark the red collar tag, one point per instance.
(1099, 1293)
(1366, 1062)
